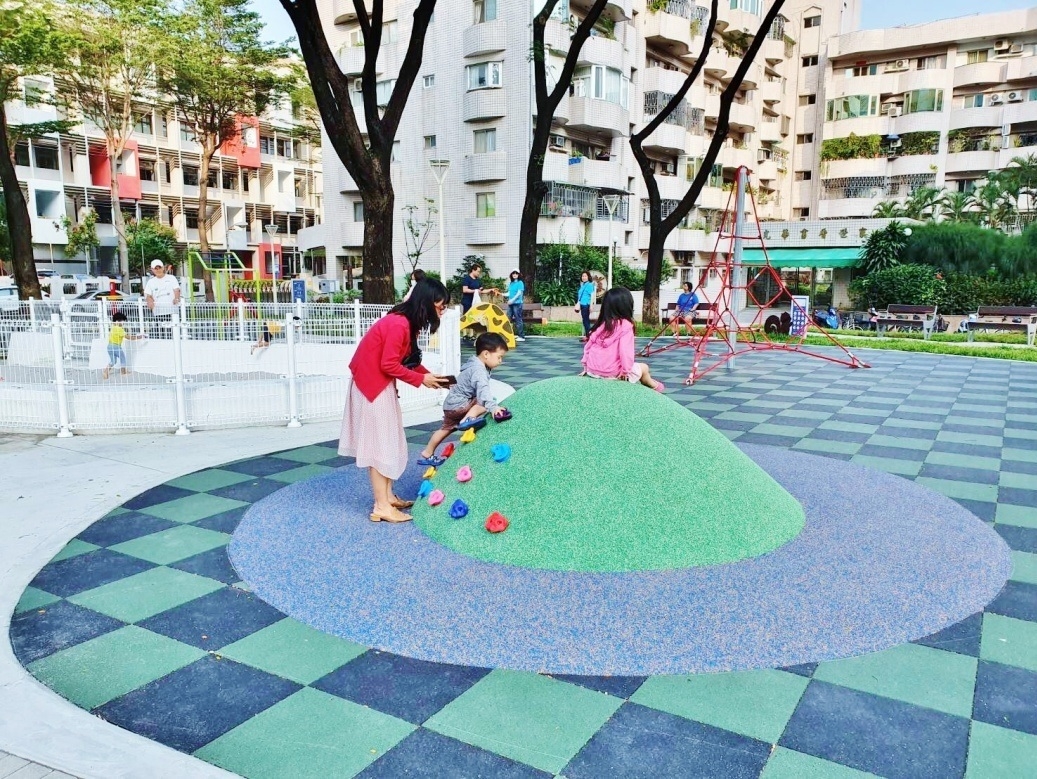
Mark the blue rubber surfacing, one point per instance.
(881, 561)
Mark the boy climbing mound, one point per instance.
(470, 398)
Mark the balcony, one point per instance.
(979, 74)
(743, 117)
(987, 116)
(667, 138)
(602, 51)
(351, 60)
(770, 131)
(737, 19)
(672, 187)
(847, 208)
(754, 76)
(732, 157)
(600, 174)
(598, 116)
(767, 170)
(484, 38)
(972, 162)
(1024, 67)
(922, 120)
(721, 64)
(713, 198)
(684, 240)
(491, 166)
(913, 164)
(662, 80)
(1021, 112)
(346, 184)
(480, 104)
(711, 106)
(845, 169)
(352, 233)
(557, 36)
(772, 91)
(556, 166)
(344, 12)
(668, 31)
(773, 50)
(864, 125)
(485, 231)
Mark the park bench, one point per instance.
(702, 313)
(906, 317)
(1004, 319)
(533, 314)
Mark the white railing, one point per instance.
(199, 366)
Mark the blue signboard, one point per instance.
(298, 290)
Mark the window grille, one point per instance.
(569, 200)
(622, 209)
(683, 115)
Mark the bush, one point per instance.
(906, 284)
(561, 264)
(957, 247)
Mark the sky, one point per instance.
(875, 13)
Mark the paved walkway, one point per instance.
(13, 767)
(961, 699)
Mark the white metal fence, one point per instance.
(200, 365)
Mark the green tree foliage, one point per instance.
(905, 284)
(82, 237)
(883, 248)
(150, 240)
(888, 209)
(852, 147)
(957, 207)
(956, 247)
(923, 204)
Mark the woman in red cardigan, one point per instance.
(372, 425)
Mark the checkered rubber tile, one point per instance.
(142, 620)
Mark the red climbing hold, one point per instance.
(496, 522)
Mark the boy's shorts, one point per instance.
(452, 417)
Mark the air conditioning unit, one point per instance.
(761, 156)
(558, 141)
(670, 168)
(1015, 97)
(1016, 48)
(997, 98)
(1003, 44)
(358, 85)
(895, 111)
(896, 65)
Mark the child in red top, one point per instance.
(609, 352)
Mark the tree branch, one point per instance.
(368, 76)
(583, 32)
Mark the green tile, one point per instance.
(193, 507)
(911, 673)
(960, 489)
(309, 735)
(301, 474)
(731, 435)
(849, 427)
(294, 651)
(1019, 455)
(999, 753)
(1010, 514)
(308, 454)
(822, 445)
(74, 548)
(34, 598)
(917, 444)
(963, 461)
(911, 424)
(975, 439)
(889, 465)
(211, 479)
(743, 416)
(1009, 641)
(775, 429)
(146, 594)
(116, 512)
(533, 719)
(789, 764)
(757, 704)
(1024, 567)
(97, 671)
(170, 546)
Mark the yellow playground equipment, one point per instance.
(489, 318)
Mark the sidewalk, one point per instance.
(53, 489)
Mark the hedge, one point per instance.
(955, 293)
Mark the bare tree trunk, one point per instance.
(114, 151)
(203, 219)
(19, 223)
(378, 263)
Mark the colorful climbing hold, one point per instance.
(464, 473)
(425, 489)
(436, 497)
(430, 473)
(447, 450)
(468, 436)
(496, 522)
(459, 509)
(500, 452)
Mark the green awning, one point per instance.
(842, 257)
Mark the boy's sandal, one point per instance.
(472, 423)
(502, 416)
(434, 460)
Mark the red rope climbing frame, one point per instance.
(724, 336)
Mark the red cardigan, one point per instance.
(379, 357)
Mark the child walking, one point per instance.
(471, 396)
(116, 335)
(609, 353)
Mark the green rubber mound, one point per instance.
(608, 476)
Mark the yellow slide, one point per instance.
(487, 317)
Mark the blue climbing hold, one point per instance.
(500, 452)
(459, 509)
(425, 488)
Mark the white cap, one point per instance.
(157, 264)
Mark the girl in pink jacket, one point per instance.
(609, 352)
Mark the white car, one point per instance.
(9, 301)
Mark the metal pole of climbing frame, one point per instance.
(736, 265)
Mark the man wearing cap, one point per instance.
(162, 295)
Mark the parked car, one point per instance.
(105, 294)
(9, 301)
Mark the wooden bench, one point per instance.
(907, 318)
(533, 314)
(1004, 319)
(702, 313)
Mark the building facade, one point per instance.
(473, 105)
(270, 175)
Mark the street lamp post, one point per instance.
(611, 203)
(271, 230)
(439, 170)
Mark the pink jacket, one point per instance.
(610, 356)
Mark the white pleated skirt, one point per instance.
(372, 432)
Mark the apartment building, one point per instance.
(472, 105)
(270, 175)
(936, 105)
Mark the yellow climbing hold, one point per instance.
(430, 473)
(468, 437)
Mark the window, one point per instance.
(805, 138)
(21, 153)
(485, 141)
(244, 181)
(803, 175)
(811, 60)
(191, 218)
(285, 148)
(163, 126)
(300, 189)
(427, 82)
(485, 11)
(811, 21)
(190, 176)
(229, 180)
(862, 70)
(147, 170)
(973, 101)
(749, 6)
(807, 99)
(430, 141)
(356, 37)
(358, 210)
(485, 75)
(930, 63)
(850, 107)
(485, 205)
(36, 91)
(186, 133)
(143, 125)
(801, 213)
(921, 100)
(394, 153)
(972, 57)
(210, 180)
(390, 32)
(46, 156)
(601, 83)
(266, 144)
